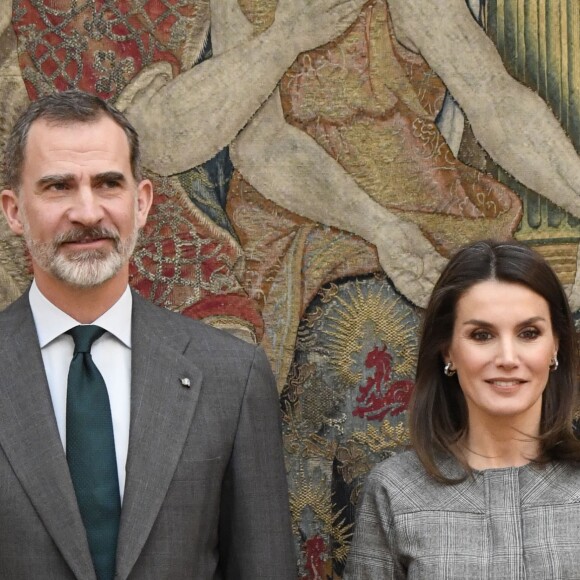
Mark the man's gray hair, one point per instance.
(64, 108)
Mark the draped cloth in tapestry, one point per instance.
(341, 338)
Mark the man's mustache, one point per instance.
(80, 234)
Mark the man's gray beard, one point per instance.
(84, 268)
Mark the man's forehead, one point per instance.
(57, 139)
(49, 124)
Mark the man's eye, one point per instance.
(112, 184)
(57, 186)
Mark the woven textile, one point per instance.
(517, 523)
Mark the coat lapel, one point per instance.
(162, 408)
(29, 437)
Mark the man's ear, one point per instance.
(11, 209)
(144, 201)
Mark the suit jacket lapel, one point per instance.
(29, 437)
(162, 408)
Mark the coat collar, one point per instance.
(165, 387)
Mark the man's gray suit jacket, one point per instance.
(206, 492)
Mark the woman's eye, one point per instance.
(530, 333)
(481, 335)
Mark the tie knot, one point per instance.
(84, 336)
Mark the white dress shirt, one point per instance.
(111, 353)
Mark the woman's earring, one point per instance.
(554, 363)
(449, 372)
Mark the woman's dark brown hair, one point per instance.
(438, 416)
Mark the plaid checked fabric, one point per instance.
(502, 524)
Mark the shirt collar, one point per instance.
(51, 321)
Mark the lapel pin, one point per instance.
(185, 382)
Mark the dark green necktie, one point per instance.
(90, 451)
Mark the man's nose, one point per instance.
(86, 207)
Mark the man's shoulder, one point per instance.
(221, 357)
(17, 330)
(15, 309)
(162, 320)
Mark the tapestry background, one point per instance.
(312, 177)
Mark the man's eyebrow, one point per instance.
(55, 178)
(109, 176)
